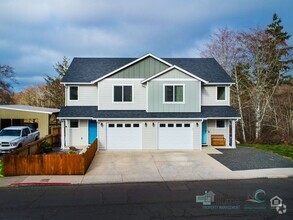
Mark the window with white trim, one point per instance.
(220, 123)
(122, 93)
(174, 93)
(73, 93)
(74, 124)
(221, 93)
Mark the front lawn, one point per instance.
(282, 150)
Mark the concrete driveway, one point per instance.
(152, 166)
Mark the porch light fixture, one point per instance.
(102, 124)
(153, 124)
(146, 124)
(196, 124)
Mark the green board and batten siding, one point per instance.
(141, 70)
(155, 93)
(174, 74)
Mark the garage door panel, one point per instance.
(124, 136)
(175, 136)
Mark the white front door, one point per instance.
(124, 136)
(175, 136)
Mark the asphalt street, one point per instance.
(165, 200)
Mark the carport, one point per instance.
(24, 115)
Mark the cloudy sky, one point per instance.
(35, 34)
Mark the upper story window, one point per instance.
(73, 93)
(122, 93)
(221, 93)
(173, 93)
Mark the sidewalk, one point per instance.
(151, 166)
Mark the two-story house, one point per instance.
(147, 103)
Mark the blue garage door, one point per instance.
(93, 131)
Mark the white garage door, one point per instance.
(175, 136)
(124, 136)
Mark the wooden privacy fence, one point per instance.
(34, 147)
(49, 164)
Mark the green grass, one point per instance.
(283, 150)
(1, 169)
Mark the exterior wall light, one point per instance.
(146, 124)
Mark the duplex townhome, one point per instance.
(147, 103)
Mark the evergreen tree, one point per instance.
(55, 91)
(279, 56)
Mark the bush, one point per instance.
(1, 169)
(46, 147)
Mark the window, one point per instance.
(122, 93)
(25, 132)
(221, 93)
(174, 93)
(135, 125)
(119, 125)
(186, 125)
(127, 125)
(220, 123)
(73, 93)
(170, 125)
(178, 125)
(111, 126)
(162, 125)
(73, 123)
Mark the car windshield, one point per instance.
(10, 133)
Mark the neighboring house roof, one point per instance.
(27, 108)
(93, 112)
(88, 70)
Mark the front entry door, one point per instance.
(93, 131)
(204, 132)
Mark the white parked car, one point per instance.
(16, 136)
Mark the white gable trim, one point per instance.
(76, 83)
(174, 67)
(129, 64)
(228, 84)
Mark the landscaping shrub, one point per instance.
(1, 169)
(46, 147)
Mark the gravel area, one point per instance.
(248, 158)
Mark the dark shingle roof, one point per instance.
(93, 112)
(89, 69)
(206, 68)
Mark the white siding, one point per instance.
(211, 129)
(78, 136)
(102, 135)
(106, 95)
(209, 96)
(197, 135)
(87, 96)
(149, 135)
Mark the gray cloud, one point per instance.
(35, 34)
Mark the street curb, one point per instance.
(40, 183)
